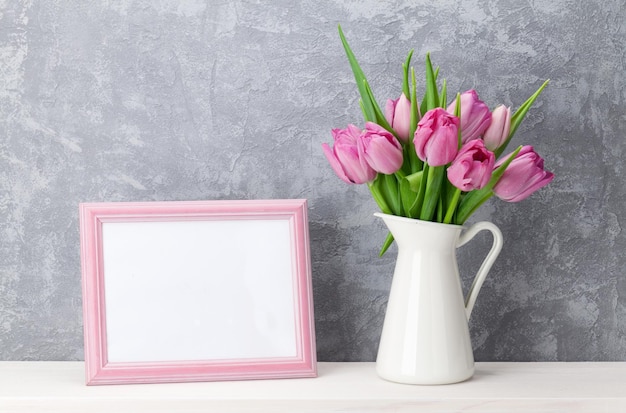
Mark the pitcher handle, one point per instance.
(496, 247)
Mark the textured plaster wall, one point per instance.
(187, 100)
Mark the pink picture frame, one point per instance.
(196, 291)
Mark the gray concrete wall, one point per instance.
(188, 100)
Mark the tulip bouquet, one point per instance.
(431, 160)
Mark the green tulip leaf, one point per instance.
(415, 162)
(405, 77)
(379, 118)
(359, 76)
(408, 196)
(387, 187)
(363, 110)
(386, 245)
(415, 179)
(433, 191)
(414, 106)
(431, 98)
(443, 100)
(379, 198)
(457, 113)
(518, 116)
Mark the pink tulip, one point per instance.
(381, 149)
(436, 137)
(497, 133)
(345, 159)
(472, 167)
(475, 115)
(398, 114)
(523, 176)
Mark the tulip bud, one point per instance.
(398, 115)
(475, 115)
(345, 159)
(497, 133)
(436, 137)
(472, 167)
(381, 149)
(523, 176)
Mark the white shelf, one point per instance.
(340, 387)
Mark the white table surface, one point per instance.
(340, 387)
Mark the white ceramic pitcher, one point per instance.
(425, 337)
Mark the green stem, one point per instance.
(452, 207)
